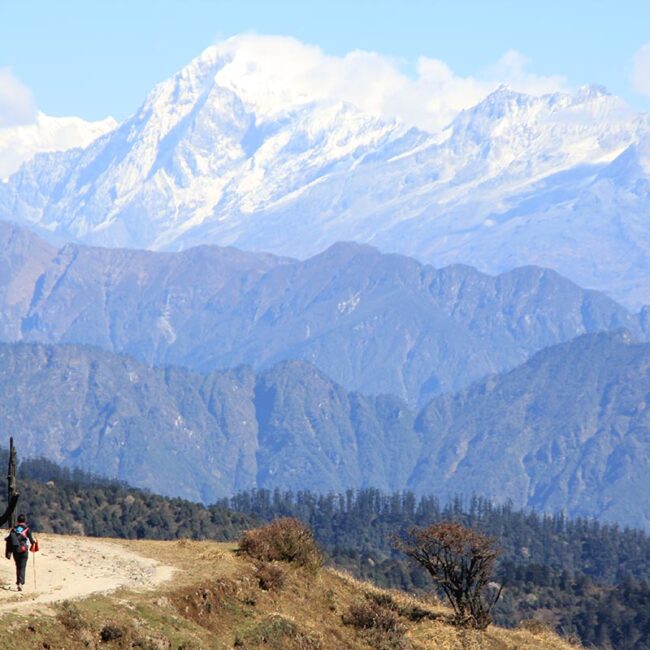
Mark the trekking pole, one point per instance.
(34, 563)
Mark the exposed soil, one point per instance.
(69, 567)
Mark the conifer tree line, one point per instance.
(368, 519)
(71, 501)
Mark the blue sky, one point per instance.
(96, 58)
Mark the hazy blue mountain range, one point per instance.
(200, 436)
(569, 429)
(372, 322)
(211, 157)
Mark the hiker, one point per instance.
(18, 543)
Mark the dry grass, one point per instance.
(276, 632)
(216, 601)
(70, 617)
(380, 626)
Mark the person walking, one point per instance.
(18, 543)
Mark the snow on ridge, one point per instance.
(19, 143)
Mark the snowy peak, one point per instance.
(499, 104)
(541, 134)
(590, 92)
(266, 74)
(505, 109)
(203, 147)
(270, 74)
(19, 143)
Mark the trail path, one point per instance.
(69, 567)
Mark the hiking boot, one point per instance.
(19, 588)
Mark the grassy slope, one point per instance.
(215, 601)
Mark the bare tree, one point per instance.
(460, 561)
(12, 491)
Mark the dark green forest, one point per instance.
(64, 501)
(578, 576)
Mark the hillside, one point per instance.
(215, 155)
(566, 431)
(577, 576)
(200, 436)
(216, 600)
(62, 501)
(374, 323)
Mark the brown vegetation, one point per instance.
(270, 576)
(284, 540)
(70, 617)
(276, 632)
(460, 561)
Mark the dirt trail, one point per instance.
(69, 567)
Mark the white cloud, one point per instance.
(641, 70)
(273, 72)
(16, 102)
(512, 69)
(24, 131)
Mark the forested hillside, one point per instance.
(60, 500)
(566, 431)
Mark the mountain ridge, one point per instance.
(374, 322)
(211, 157)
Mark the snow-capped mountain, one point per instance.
(19, 143)
(221, 154)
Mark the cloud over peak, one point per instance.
(641, 70)
(16, 101)
(275, 72)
